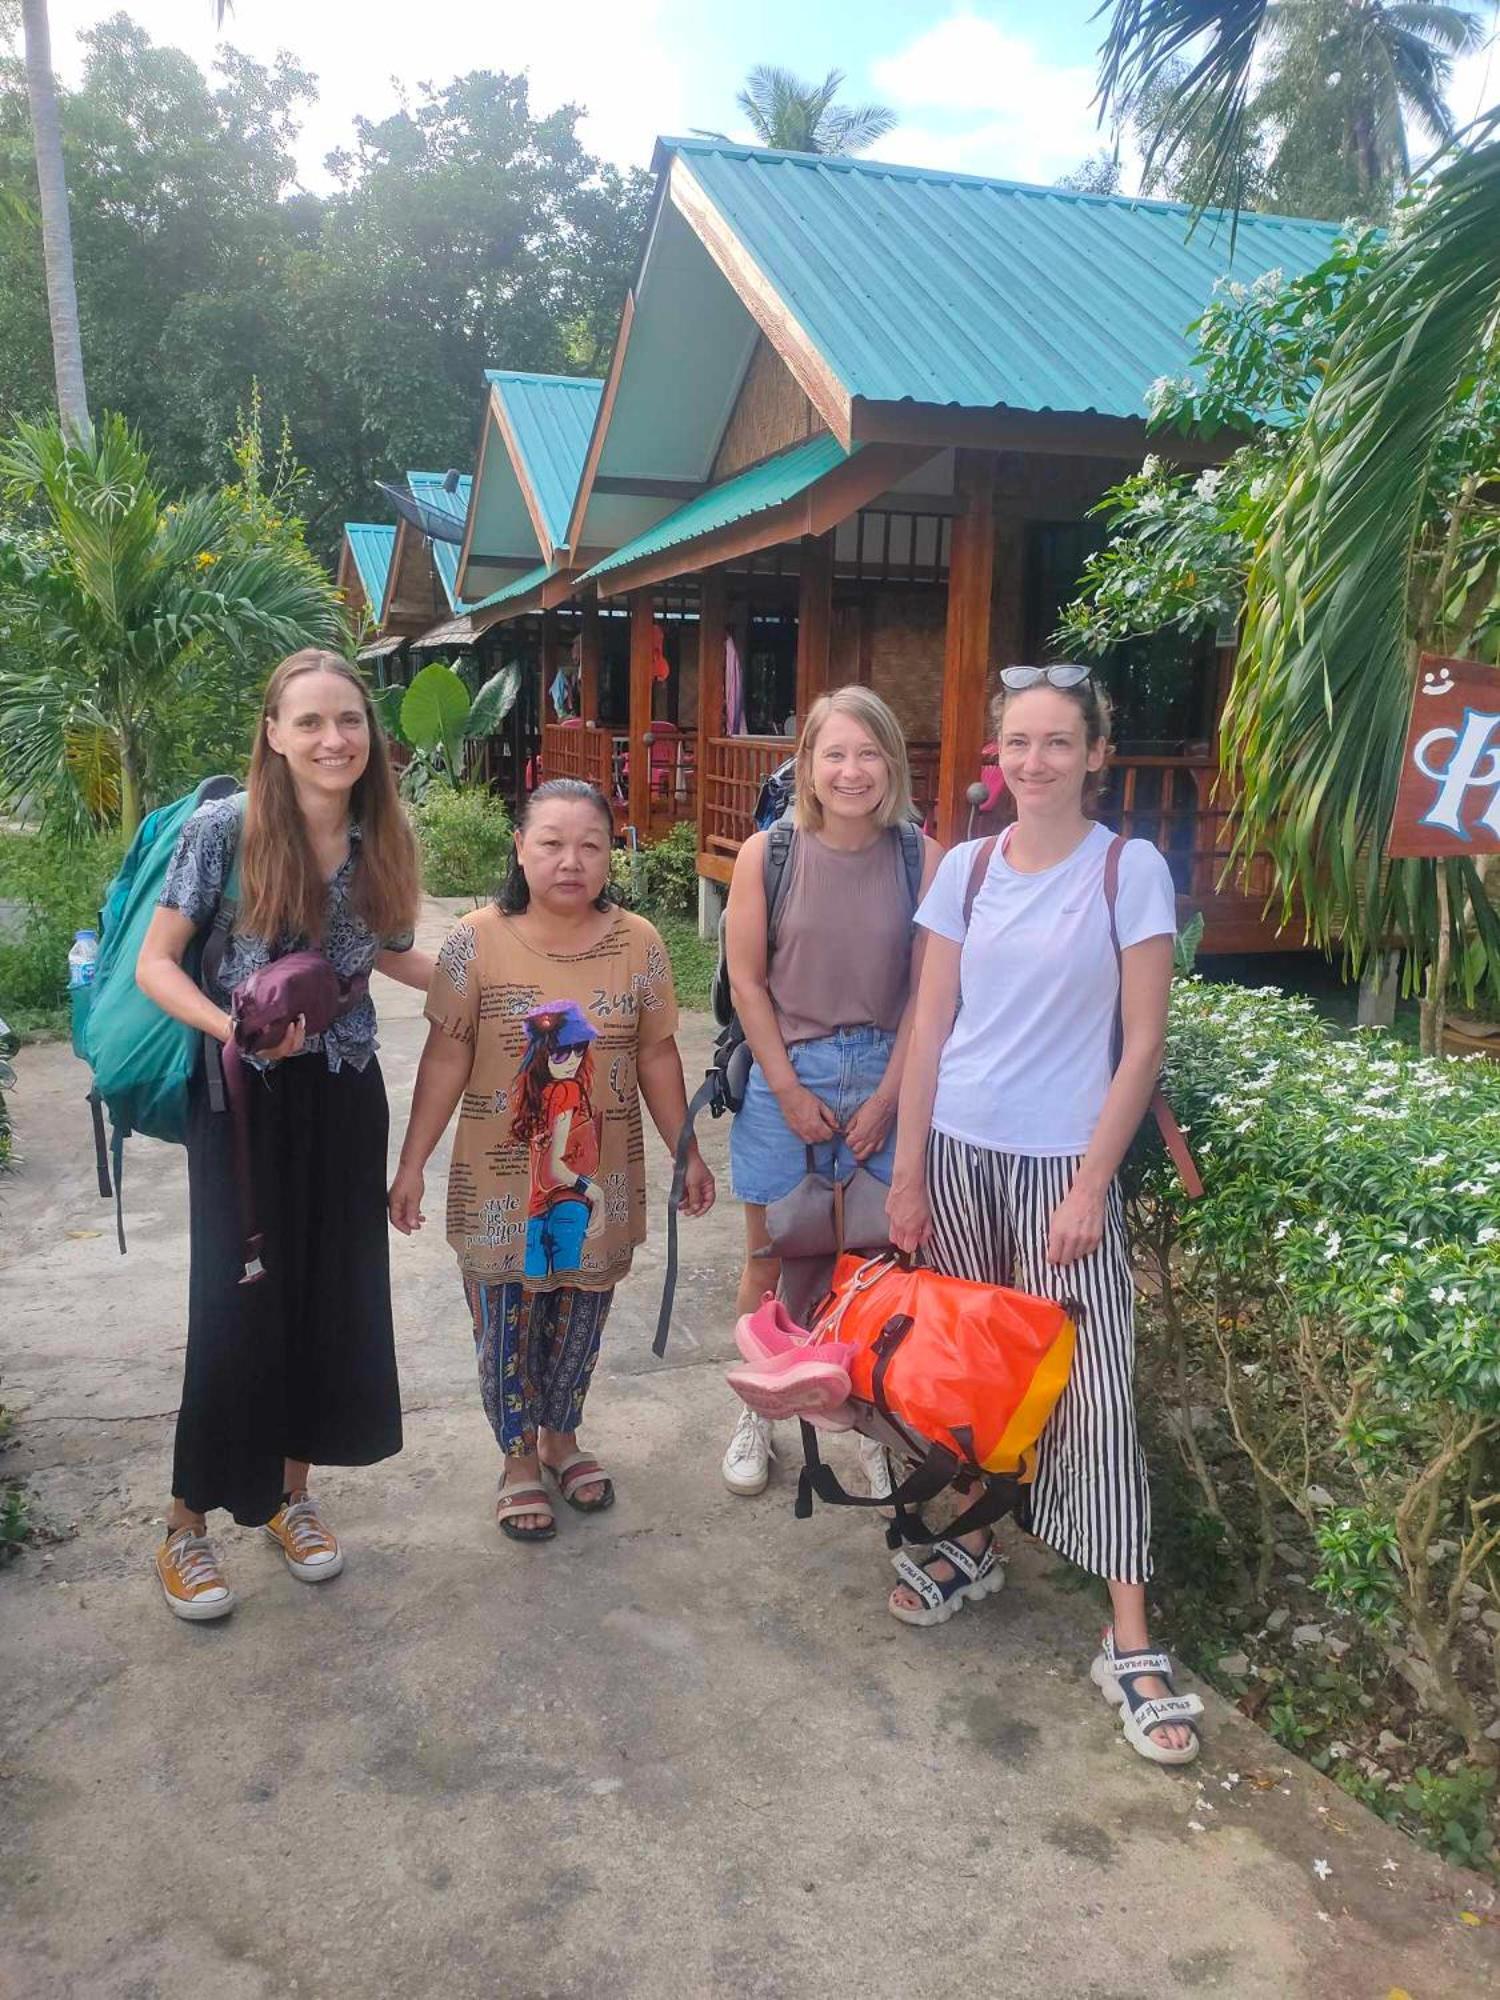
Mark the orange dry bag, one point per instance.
(975, 1368)
(959, 1377)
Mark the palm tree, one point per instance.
(1334, 615)
(796, 117)
(122, 614)
(1356, 71)
(57, 233)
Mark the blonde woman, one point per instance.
(824, 994)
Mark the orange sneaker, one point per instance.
(310, 1546)
(191, 1580)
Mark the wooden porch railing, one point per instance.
(580, 753)
(1178, 804)
(739, 765)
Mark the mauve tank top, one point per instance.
(842, 957)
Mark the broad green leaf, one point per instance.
(435, 708)
(494, 701)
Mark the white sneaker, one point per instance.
(747, 1463)
(874, 1462)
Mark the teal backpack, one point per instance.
(143, 1061)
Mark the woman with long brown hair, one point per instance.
(300, 1366)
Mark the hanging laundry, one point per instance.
(660, 670)
(561, 693)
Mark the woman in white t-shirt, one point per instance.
(1014, 1117)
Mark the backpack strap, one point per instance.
(913, 853)
(779, 840)
(214, 947)
(1172, 1133)
(977, 872)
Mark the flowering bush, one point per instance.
(1341, 1280)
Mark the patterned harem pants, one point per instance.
(990, 1215)
(536, 1353)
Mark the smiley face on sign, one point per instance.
(1448, 801)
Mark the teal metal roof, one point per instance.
(428, 488)
(942, 288)
(552, 419)
(371, 544)
(753, 491)
(532, 580)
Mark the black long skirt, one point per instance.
(302, 1364)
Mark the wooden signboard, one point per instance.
(1448, 802)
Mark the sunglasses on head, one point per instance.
(1064, 675)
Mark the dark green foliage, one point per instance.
(58, 887)
(464, 232)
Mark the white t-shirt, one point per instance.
(1027, 1066)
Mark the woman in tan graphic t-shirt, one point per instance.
(552, 1015)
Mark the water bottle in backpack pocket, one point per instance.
(83, 962)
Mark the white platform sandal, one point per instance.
(973, 1577)
(1115, 1675)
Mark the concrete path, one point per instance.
(681, 1751)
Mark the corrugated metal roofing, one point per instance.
(429, 489)
(371, 544)
(750, 492)
(532, 580)
(552, 420)
(948, 289)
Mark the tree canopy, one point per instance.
(462, 232)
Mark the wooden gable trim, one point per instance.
(601, 423)
(762, 301)
(1059, 432)
(523, 477)
(834, 497)
(461, 577)
(349, 586)
(560, 589)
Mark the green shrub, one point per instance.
(1339, 1286)
(58, 888)
(666, 873)
(465, 838)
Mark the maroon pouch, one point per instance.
(302, 986)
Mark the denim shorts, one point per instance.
(766, 1158)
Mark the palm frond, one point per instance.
(1207, 113)
(1316, 718)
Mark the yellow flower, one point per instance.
(206, 559)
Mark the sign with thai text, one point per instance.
(1448, 802)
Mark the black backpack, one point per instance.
(723, 1087)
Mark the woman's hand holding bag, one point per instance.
(909, 1216)
(809, 1117)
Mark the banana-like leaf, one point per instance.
(1316, 718)
(433, 714)
(494, 701)
(93, 758)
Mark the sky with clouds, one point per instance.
(1003, 88)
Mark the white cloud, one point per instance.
(975, 98)
(611, 56)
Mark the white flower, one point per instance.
(1322, 1869)
(1150, 466)
(1207, 484)
(1153, 503)
(1488, 1233)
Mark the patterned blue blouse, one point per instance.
(195, 883)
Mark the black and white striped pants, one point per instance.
(990, 1216)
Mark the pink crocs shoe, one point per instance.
(794, 1384)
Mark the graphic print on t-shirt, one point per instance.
(554, 1118)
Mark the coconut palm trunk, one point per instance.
(57, 233)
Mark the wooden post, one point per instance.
(814, 621)
(713, 611)
(547, 661)
(642, 632)
(588, 661)
(966, 644)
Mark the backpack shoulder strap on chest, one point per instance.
(979, 868)
(913, 854)
(779, 840)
